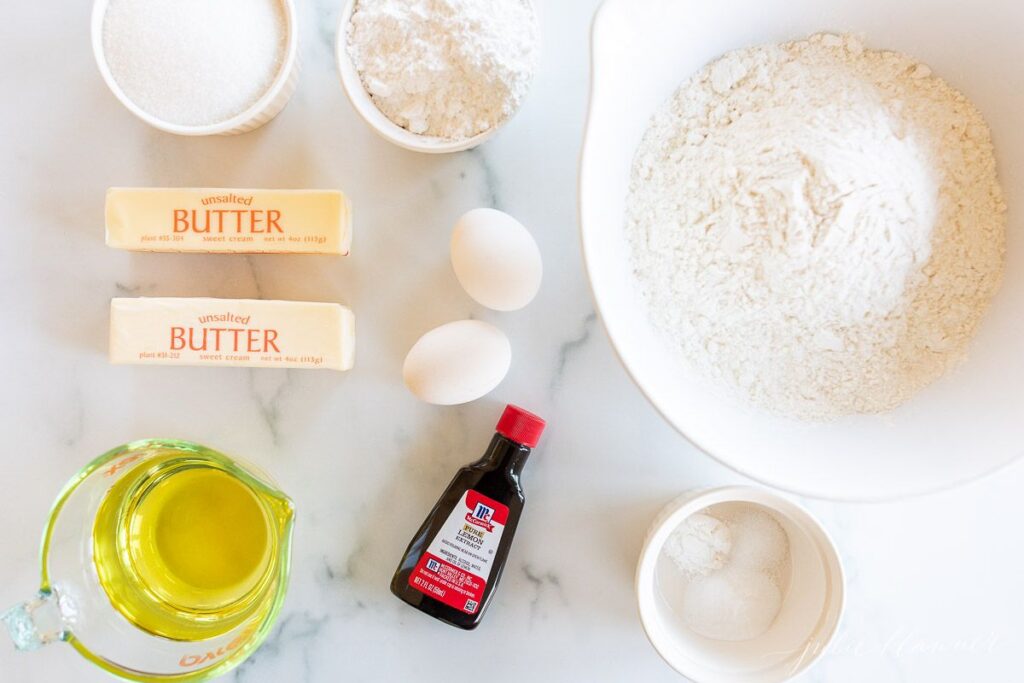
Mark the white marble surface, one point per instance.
(934, 585)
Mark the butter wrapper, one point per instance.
(224, 221)
(231, 332)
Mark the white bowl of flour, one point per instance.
(945, 417)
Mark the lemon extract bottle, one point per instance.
(454, 563)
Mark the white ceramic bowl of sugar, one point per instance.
(361, 101)
(968, 424)
(811, 608)
(261, 112)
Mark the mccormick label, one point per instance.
(457, 566)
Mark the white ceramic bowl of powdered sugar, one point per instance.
(805, 260)
(437, 78)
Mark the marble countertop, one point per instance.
(934, 587)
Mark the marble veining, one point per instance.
(268, 396)
(934, 589)
(568, 349)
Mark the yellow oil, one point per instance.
(186, 549)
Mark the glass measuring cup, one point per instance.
(161, 561)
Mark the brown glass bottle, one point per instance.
(454, 562)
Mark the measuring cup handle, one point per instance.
(38, 622)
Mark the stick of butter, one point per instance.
(231, 332)
(229, 221)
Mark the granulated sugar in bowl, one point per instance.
(195, 67)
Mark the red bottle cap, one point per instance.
(520, 426)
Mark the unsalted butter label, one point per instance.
(239, 332)
(229, 221)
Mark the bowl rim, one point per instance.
(387, 129)
(692, 502)
(280, 82)
(906, 494)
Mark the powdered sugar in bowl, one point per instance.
(437, 82)
(192, 67)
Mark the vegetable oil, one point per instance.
(186, 548)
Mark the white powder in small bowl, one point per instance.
(451, 69)
(728, 571)
(733, 604)
(194, 62)
(700, 545)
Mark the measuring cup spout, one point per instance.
(42, 620)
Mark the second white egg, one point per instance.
(496, 260)
(457, 363)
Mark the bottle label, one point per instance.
(457, 565)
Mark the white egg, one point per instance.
(457, 363)
(496, 260)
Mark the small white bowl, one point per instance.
(375, 119)
(259, 114)
(811, 607)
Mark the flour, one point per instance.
(445, 68)
(817, 225)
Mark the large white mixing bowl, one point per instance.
(969, 423)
